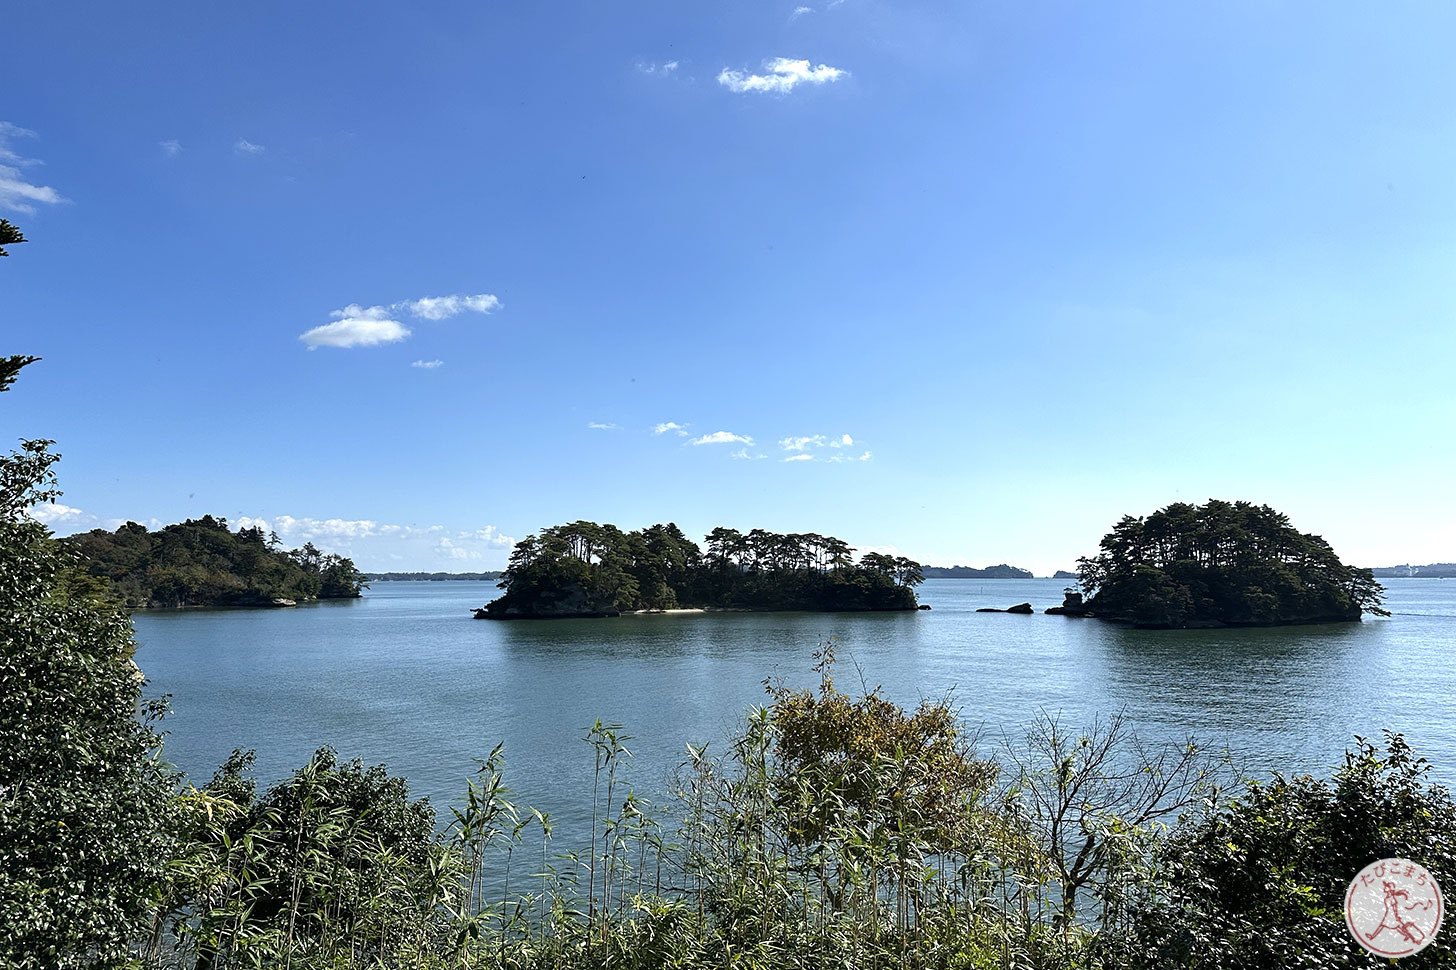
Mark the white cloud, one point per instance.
(428, 364)
(55, 514)
(472, 546)
(361, 326)
(806, 442)
(800, 11)
(784, 74)
(603, 425)
(69, 520)
(371, 543)
(742, 455)
(723, 438)
(355, 331)
(666, 67)
(446, 547)
(679, 429)
(171, 147)
(17, 192)
(443, 307)
(245, 147)
(490, 536)
(803, 448)
(294, 530)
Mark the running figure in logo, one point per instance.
(1391, 919)
(1393, 908)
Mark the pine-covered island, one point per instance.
(201, 562)
(584, 569)
(1221, 564)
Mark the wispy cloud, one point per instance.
(428, 364)
(672, 426)
(444, 307)
(816, 441)
(743, 454)
(17, 192)
(245, 147)
(819, 447)
(783, 75)
(665, 68)
(799, 12)
(603, 426)
(368, 536)
(472, 546)
(723, 438)
(361, 326)
(171, 147)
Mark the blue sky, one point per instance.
(1020, 267)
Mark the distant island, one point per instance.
(1436, 570)
(432, 577)
(201, 562)
(1002, 571)
(1063, 574)
(585, 569)
(1219, 564)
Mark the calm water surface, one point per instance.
(405, 677)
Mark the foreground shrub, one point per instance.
(1260, 879)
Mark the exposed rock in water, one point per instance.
(1022, 608)
(284, 601)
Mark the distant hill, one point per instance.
(1436, 570)
(1063, 574)
(1002, 571)
(432, 577)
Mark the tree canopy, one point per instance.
(1222, 563)
(585, 568)
(201, 562)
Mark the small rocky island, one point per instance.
(1221, 564)
(201, 562)
(584, 569)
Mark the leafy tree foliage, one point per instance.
(1231, 563)
(201, 562)
(10, 369)
(1259, 880)
(584, 568)
(83, 798)
(335, 862)
(910, 775)
(9, 235)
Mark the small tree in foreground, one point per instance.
(83, 798)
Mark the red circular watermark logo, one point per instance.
(1394, 907)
